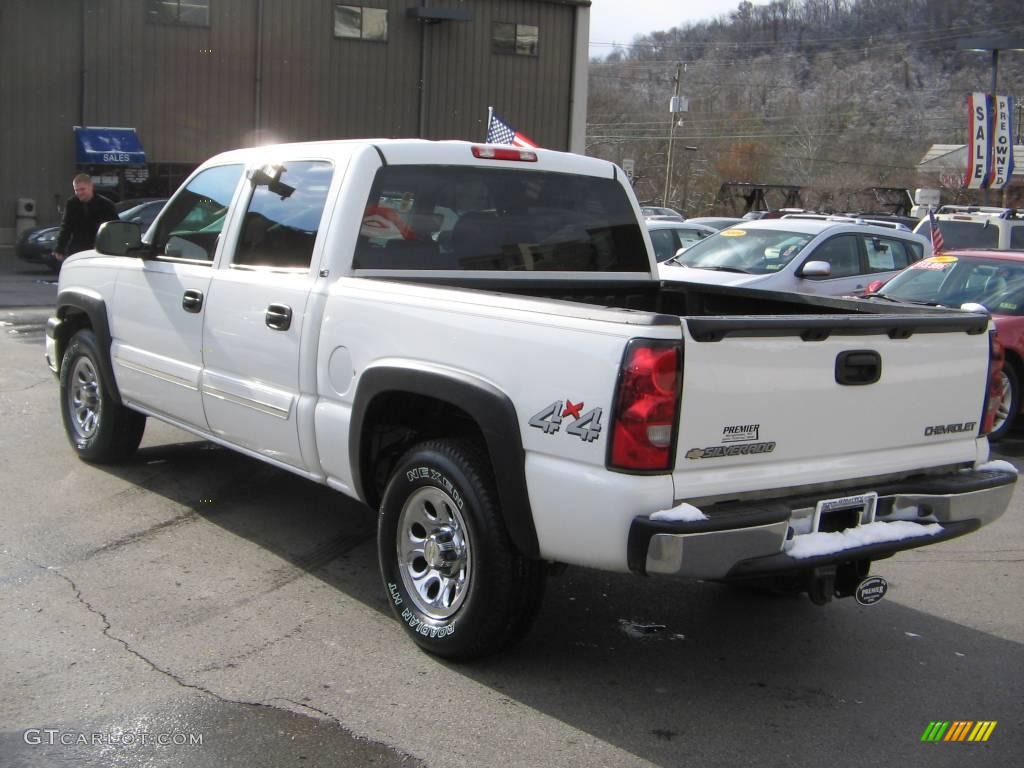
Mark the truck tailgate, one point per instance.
(804, 400)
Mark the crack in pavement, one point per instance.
(107, 632)
(297, 708)
(233, 662)
(25, 389)
(132, 538)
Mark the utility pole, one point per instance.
(672, 109)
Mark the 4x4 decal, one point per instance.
(585, 426)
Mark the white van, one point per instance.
(972, 226)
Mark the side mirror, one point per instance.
(874, 287)
(973, 306)
(816, 269)
(680, 252)
(119, 238)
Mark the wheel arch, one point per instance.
(397, 406)
(1012, 358)
(82, 309)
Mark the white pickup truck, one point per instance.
(471, 340)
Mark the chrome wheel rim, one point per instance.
(1005, 402)
(84, 403)
(433, 553)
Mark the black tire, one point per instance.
(99, 429)
(1009, 404)
(455, 581)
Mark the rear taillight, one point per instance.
(994, 390)
(504, 153)
(646, 409)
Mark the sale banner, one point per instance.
(979, 144)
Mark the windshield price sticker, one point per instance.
(935, 262)
(733, 233)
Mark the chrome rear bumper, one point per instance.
(746, 540)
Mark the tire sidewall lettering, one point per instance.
(432, 476)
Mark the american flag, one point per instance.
(500, 132)
(938, 244)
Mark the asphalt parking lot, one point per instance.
(193, 594)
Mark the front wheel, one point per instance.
(98, 427)
(453, 577)
(1008, 405)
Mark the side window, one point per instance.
(1017, 237)
(664, 244)
(886, 254)
(841, 253)
(192, 221)
(688, 237)
(283, 216)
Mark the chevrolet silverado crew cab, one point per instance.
(471, 340)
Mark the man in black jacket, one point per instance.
(83, 215)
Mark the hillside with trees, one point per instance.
(833, 96)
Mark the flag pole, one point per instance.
(490, 116)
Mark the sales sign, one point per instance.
(979, 123)
(1002, 142)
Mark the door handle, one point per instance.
(858, 367)
(192, 301)
(279, 317)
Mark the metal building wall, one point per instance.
(464, 76)
(193, 91)
(316, 86)
(39, 65)
(189, 91)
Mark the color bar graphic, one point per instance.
(958, 730)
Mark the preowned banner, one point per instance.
(1002, 142)
(979, 124)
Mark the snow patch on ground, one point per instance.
(999, 466)
(827, 543)
(684, 513)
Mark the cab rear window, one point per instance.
(461, 218)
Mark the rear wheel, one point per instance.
(1009, 403)
(454, 579)
(98, 427)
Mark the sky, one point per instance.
(619, 21)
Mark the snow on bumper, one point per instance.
(740, 540)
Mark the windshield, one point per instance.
(997, 284)
(757, 251)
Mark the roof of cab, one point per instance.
(420, 151)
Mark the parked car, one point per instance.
(802, 253)
(36, 245)
(992, 278)
(124, 205)
(143, 213)
(908, 221)
(669, 237)
(971, 226)
(660, 212)
(776, 214)
(715, 222)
